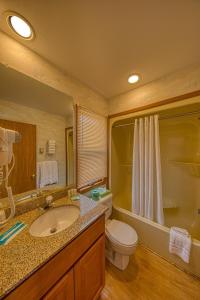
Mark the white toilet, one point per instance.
(121, 239)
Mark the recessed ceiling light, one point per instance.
(20, 25)
(133, 78)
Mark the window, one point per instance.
(91, 148)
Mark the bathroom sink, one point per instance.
(54, 220)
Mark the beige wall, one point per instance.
(49, 126)
(172, 85)
(179, 140)
(20, 58)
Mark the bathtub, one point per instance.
(156, 237)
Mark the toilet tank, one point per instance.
(107, 201)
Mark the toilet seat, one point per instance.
(121, 234)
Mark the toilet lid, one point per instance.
(121, 232)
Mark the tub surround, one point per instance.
(25, 254)
(150, 233)
(180, 189)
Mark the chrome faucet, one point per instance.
(48, 203)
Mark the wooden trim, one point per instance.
(96, 184)
(108, 142)
(40, 282)
(76, 144)
(19, 122)
(156, 104)
(66, 130)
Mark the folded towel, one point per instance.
(102, 192)
(51, 147)
(51, 142)
(181, 230)
(180, 243)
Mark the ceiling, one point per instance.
(102, 42)
(19, 88)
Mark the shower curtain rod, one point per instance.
(164, 118)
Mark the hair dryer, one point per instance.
(7, 139)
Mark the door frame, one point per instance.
(67, 130)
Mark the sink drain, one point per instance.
(53, 230)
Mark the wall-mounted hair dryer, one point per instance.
(7, 139)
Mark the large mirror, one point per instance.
(43, 116)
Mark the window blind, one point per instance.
(91, 147)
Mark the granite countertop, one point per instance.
(25, 253)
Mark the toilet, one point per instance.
(121, 239)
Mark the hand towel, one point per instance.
(180, 243)
(54, 170)
(47, 173)
(38, 174)
(43, 174)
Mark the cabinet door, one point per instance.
(89, 272)
(63, 290)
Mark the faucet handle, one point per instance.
(49, 199)
(48, 203)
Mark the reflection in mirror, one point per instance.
(69, 156)
(43, 117)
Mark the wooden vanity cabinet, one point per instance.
(64, 289)
(89, 272)
(77, 272)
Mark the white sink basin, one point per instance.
(54, 220)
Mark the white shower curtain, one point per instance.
(146, 179)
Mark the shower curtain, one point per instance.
(146, 177)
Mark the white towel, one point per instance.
(38, 174)
(54, 170)
(42, 174)
(180, 243)
(52, 167)
(47, 173)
